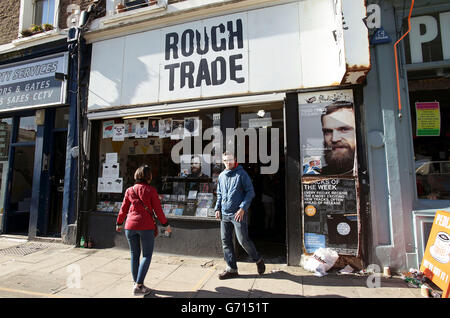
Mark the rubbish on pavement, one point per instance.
(425, 291)
(387, 272)
(346, 270)
(208, 263)
(321, 261)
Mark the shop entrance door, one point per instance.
(57, 183)
(18, 198)
(267, 213)
(58, 149)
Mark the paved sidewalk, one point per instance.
(53, 270)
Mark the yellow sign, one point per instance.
(310, 210)
(436, 260)
(428, 119)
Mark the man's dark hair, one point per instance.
(142, 174)
(229, 153)
(336, 106)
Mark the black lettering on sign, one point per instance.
(223, 41)
(187, 72)
(234, 68)
(171, 45)
(187, 42)
(203, 73)
(215, 70)
(235, 34)
(171, 68)
(205, 50)
(222, 70)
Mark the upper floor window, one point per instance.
(44, 12)
(38, 13)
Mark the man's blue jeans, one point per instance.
(136, 239)
(227, 225)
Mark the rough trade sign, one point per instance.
(221, 48)
(436, 261)
(32, 84)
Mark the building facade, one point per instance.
(408, 139)
(342, 154)
(38, 110)
(188, 80)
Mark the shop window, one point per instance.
(5, 137)
(27, 129)
(44, 12)
(187, 188)
(430, 114)
(61, 118)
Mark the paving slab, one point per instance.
(278, 283)
(92, 284)
(32, 282)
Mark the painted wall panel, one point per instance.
(274, 48)
(323, 55)
(140, 68)
(106, 73)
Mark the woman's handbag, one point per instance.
(149, 211)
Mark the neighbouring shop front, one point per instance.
(427, 58)
(227, 82)
(35, 125)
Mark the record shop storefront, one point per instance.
(35, 117)
(206, 86)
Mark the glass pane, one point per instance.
(44, 11)
(20, 196)
(27, 129)
(5, 137)
(62, 117)
(430, 118)
(49, 12)
(38, 10)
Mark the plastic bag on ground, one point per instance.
(322, 260)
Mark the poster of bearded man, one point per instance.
(327, 131)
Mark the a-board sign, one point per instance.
(436, 260)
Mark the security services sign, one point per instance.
(32, 84)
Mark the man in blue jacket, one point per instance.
(234, 195)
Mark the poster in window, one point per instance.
(428, 119)
(177, 129)
(330, 211)
(130, 128)
(108, 128)
(153, 127)
(192, 126)
(327, 133)
(118, 132)
(195, 166)
(165, 128)
(141, 128)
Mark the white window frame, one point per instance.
(27, 14)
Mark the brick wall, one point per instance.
(9, 20)
(10, 11)
(63, 14)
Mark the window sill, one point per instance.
(39, 38)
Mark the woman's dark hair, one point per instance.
(143, 174)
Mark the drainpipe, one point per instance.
(396, 61)
(75, 36)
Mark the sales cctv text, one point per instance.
(32, 92)
(190, 43)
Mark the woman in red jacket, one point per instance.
(137, 207)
